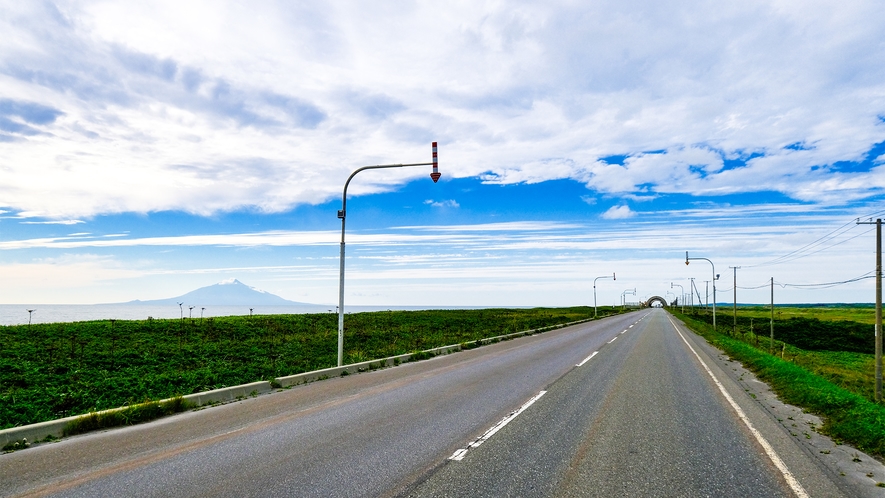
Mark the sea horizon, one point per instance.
(17, 314)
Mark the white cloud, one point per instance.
(447, 203)
(521, 263)
(619, 213)
(53, 222)
(274, 105)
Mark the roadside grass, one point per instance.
(837, 386)
(862, 314)
(50, 371)
(130, 415)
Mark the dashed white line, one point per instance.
(459, 455)
(775, 459)
(587, 359)
(613, 339)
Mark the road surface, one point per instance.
(631, 405)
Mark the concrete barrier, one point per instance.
(55, 428)
(228, 393)
(327, 373)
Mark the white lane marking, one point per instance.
(775, 459)
(587, 359)
(631, 326)
(458, 455)
(613, 339)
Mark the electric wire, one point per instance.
(822, 285)
(804, 250)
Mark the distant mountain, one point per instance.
(230, 292)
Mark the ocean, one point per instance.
(17, 314)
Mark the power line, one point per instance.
(827, 285)
(823, 285)
(804, 250)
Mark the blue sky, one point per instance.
(147, 150)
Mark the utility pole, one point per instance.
(706, 295)
(878, 224)
(691, 288)
(771, 343)
(734, 327)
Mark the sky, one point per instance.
(151, 148)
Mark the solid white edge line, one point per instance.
(587, 359)
(459, 455)
(775, 459)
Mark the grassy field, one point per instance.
(836, 385)
(48, 371)
(865, 314)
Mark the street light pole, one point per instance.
(682, 299)
(341, 214)
(624, 296)
(594, 291)
(687, 259)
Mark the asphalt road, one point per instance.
(624, 406)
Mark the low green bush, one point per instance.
(50, 371)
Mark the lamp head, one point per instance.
(436, 174)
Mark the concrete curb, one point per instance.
(55, 428)
(326, 373)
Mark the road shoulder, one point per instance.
(823, 467)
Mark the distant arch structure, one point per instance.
(655, 299)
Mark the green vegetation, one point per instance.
(836, 385)
(49, 371)
(854, 313)
(806, 332)
(130, 415)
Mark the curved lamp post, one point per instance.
(715, 277)
(341, 214)
(624, 296)
(681, 299)
(594, 290)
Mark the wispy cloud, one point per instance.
(195, 123)
(618, 213)
(447, 203)
(747, 120)
(53, 222)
